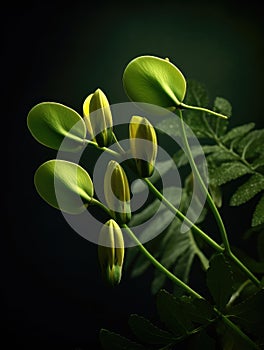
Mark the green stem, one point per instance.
(182, 217)
(196, 108)
(227, 248)
(237, 293)
(118, 144)
(100, 205)
(160, 267)
(105, 149)
(184, 286)
(242, 267)
(204, 188)
(175, 279)
(237, 330)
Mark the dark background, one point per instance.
(52, 292)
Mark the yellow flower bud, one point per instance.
(98, 118)
(111, 252)
(144, 153)
(117, 192)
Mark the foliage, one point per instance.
(227, 314)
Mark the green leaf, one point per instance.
(215, 159)
(145, 214)
(249, 314)
(147, 332)
(154, 80)
(258, 162)
(64, 185)
(221, 105)
(52, 123)
(197, 94)
(220, 280)
(113, 341)
(203, 125)
(172, 314)
(252, 144)
(230, 340)
(227, 172)
(248, 190)
(177, 250)
(217, 126)
(258, 215)
(173, 194)
(199, 311)
(239, 131)
(216, 194)
(184, 315)
(253, 265)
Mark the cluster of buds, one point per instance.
(98, 118)
(111, 252)
(143, 147)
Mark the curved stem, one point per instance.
(237, 330)
(188, 289)
(100, 205)
(105, 149)
(182, 217)
(196, 108)
(237, 293)
(214, 209)
(203, 187)
(242, 267)
(160, 267)
(118, 144)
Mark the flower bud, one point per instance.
(98, 118)
(111, 252)
(117, 192)
(144, 153)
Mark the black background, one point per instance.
(52, 292)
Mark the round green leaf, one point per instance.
(64, 185)
(154, 80)
(50, 123)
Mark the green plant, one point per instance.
(229, 315)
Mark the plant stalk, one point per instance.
(236, 329)
(188, 289)
(219, 221)
(202, 109)
(182, 217)
(160, 267)
(175, 279)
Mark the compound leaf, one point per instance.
(227, 172)
(172, 314)
(237, 132)
(249, 314)
(248, 190)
